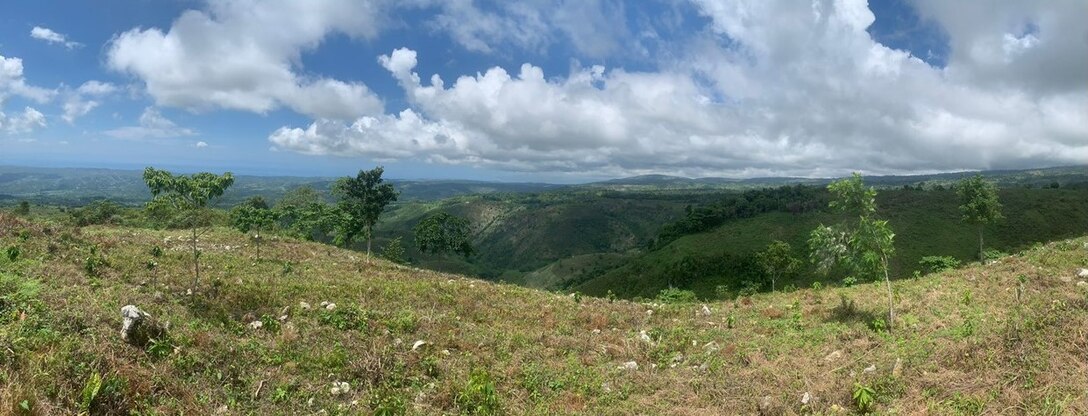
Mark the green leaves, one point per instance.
(186, 191)
(979, 203)
(443, 233)
(862, 247)
(363, 199)
(777, 261)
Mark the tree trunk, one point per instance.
(891, 295)
(369, 235)
(196, 262)
(981, 254)
(257, 243)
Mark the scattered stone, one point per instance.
(1082, 273)
(417, 344)
(283, 318)
(596, 331)
(837, 409)
(649, 312)
(630, 365)
(1082, 284)
(340, 387)
(645, 337)
(766, 406)
(445, 352)
(1068, 279)
(256, 325)
(871, 368)
(284, 310)
(137, 327)
(806, 398)
(330, 306)
(706, 311)
(304, 306)
(835, 355)
(676, 360)
(897, 369)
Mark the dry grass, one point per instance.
(965, 345)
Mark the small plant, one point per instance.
(577, 296)
(394, 251)
(817, 285)
(611, 296)
(94, 262)
(864, 397)
(287, 268)
(849, 281)
(12, 253)
(90, 392)
(674, 295)
(479, 397)
(879, 325)
(730, 321)
(160, 347)
(966, 297)
(345, 318)
(993, 254)
(155, 251)
(386, 402)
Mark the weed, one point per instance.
(674, 295)
(386, 402)
(345, 318)
(12, 253)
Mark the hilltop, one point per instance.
(423, 342)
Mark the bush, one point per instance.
(674, 295)
(95, 213)
(935, 264)
(994, 254)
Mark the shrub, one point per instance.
(479, 397)
(674, 295)
(864, 397)
(994, 254)
(935, 264)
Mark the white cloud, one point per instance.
(200, 145)
(246, 55)
(82, 100)
(49, 36)
(12, 82)
(772, 87)
(152, 125)
(26, 122)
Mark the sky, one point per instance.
(545, 90)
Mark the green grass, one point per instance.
(508, 349)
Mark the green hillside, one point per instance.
(925, 222)
(254, 338)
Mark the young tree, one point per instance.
(188, 194)
(394, 251)
(443, 233)
(362, 200)
(979, 205)
(246, 216)
(864, 246)
(777, 261)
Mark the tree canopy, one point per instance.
(443, 233)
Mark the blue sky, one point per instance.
(545, 90)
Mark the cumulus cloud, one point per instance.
(49, 36)
(246, 55)
(12, 82)
(24, 122)
(152, 125)
(769, 88)
(200, 145)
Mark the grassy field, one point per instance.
(963, 342)
(926, 223)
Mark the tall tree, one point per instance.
(777, 261)
(189, 195)
(443, 233)
(862, 246)
(362, 200)
(979, 205)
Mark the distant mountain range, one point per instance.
(74, 186)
